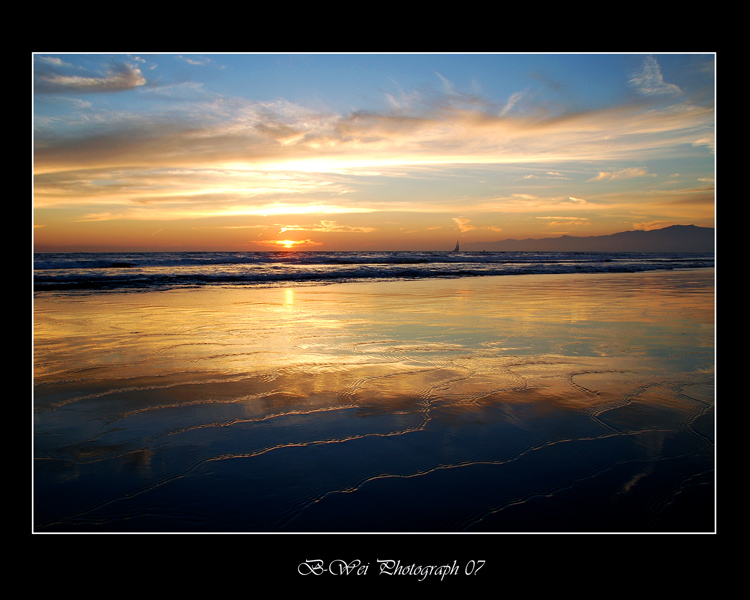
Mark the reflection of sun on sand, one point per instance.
(533, 402)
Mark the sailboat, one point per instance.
(456, 248)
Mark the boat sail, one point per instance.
(456, 248)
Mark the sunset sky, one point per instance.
(249, 152)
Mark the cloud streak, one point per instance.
(282, 152)
(327, 226)
(54, 76)
(291, 139)
(621, 174)
(464, 225)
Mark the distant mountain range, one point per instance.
(677, 238)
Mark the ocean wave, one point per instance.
(166, 270)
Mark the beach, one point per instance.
(525, 403)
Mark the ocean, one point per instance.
(374, 392)
(123, 271)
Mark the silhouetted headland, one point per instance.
(677, 238)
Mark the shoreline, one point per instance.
(303, 283)
(353, 407)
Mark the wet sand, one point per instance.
(498, 404)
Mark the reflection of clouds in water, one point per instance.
(314, 397)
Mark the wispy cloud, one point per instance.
(621, 174)
(707, 141)
(561, 218)
(195, 61)
(186, 210)
(534, 205)
(283, 136)
(52, 76)
(652, 225)
(326, 226)
(649, 80)
(513, 101)
(464, 225)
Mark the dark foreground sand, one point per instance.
(530, 403)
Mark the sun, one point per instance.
(287, 244)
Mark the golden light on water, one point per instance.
(242, 404)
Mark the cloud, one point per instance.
(621, 174)
(285, 136)
(50, 78)
(199, 62)
(233, 227)
(52, 60)
(187, 210)
(650, 82)
(706, 141)
(530, 204)
(465, 226)
(554, 222)
(447, 85)
(653, 225)
(222, 157)
(328, 227)
(567, 220)
(288, 244)
(512, 102)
